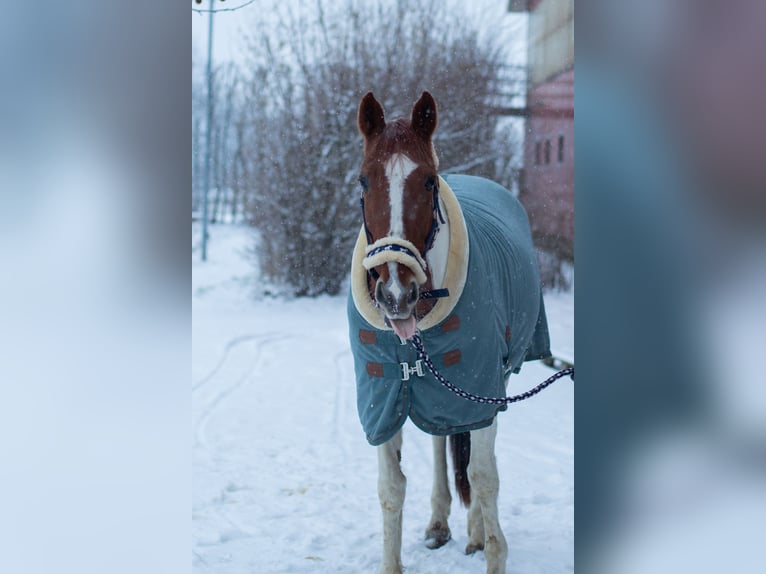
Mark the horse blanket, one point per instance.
(492, 321)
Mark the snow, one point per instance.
(283, 478)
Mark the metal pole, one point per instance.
(208, 130)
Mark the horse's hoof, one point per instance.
(437, 537)
(473, 547)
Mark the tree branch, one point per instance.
(203, 11)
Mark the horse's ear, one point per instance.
(424, 116)
(370, 119)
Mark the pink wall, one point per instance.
(548, 186)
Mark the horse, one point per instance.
(449, 258)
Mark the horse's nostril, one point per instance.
(414, 292)
(384, 297)
(380, 297)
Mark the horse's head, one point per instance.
(399, 185)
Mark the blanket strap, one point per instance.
(434, 293)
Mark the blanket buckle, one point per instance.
(408, 371)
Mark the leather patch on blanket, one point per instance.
(368, 337)
(375, 369)
(452, 357)
(451, 324)
(507, 332)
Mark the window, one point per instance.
(537, 153)
(561, 149)
(547, 152)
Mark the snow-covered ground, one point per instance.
(283, 478)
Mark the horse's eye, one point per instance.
(364, 182)
(430, 183)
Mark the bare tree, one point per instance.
(303, 150)
(228, 117)
(198, 133)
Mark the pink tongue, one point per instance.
(405, 328)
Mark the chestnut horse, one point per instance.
(412, 271)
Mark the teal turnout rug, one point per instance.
(492, 322)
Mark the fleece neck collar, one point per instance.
(454, 277)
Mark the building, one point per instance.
(547, 183)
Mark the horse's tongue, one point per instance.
(405, 328)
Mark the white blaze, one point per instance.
(395, 286)
(398, 168)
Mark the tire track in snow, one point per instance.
(228, 528)
(200, 560)
(227, 348)
(261, 343)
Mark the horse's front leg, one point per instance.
(391, 487)
(485, 484)
(438, 533)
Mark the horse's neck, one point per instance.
(438, 254)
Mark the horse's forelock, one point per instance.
(399, 137)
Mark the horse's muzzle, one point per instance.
(398, 305)
(396, 302)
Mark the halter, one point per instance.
(402, 251)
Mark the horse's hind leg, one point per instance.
(391, 489)
(438, 533)
(485, 484)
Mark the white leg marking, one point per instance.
(391, 488)
(398, 168)
(438, 532)
(475, 527)
(485, 484)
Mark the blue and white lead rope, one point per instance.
(418, 344)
